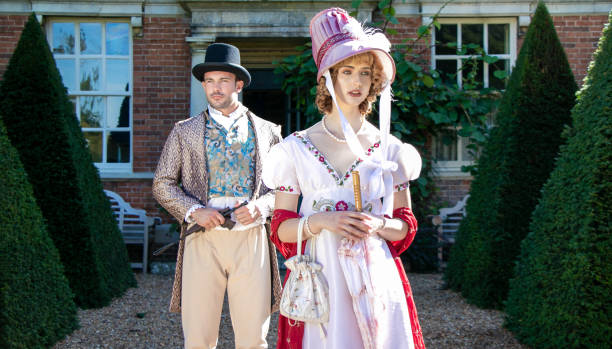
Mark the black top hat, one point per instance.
(223, 57)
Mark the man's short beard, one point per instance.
(221, 104)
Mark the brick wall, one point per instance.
(10, 31)
(407, 28)
(451, 190)
(162, 80)
(579, 36)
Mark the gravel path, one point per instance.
(140, 319)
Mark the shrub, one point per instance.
(36, 307)
(516, 161)
(41, 124)
(561, 296)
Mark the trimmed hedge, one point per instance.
(41, 124)
(36, 307)
(516, 161)
(561, 296)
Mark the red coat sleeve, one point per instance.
(405, 214)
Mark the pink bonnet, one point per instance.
(337, 36)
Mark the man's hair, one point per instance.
(324, 101)
(236, 76)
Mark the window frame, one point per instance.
(73, 95)
(452, 168)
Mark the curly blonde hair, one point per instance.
(324, 101)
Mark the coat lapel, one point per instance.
(201, 157)
(256, 122)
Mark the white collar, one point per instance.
(227, 121)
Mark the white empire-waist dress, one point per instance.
(295, 166)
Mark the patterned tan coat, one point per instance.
(181, 182)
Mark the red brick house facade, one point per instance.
(139, 54)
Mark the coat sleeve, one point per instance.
(166, 188)
(265, 201)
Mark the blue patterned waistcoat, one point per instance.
(231, 159)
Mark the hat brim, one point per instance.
(349, 48)
(241, 73)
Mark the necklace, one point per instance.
(339, 140)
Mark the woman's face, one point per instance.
(353, 83)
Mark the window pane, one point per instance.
(91, 38)
(465, 151)
(448, 70)
(92, 111)
(90, 74)
(117, 39)
(118, 147)
(471, 34)
(446, 146)
(471, 73)
(117, 74)
(446, 39)
(63, 38)
(499, 38)
(502, 65)
(94, 141)
(67, 70)
(118, 112)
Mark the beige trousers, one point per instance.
(234, 260)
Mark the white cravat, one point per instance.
(233, 119)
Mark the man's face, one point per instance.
(222, 90)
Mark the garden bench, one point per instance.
(447, 223)
(134, 225)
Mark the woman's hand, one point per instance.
(348, 224)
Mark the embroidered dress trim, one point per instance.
(402, 186)
(326, 205)
(317, 154)
(285, 188)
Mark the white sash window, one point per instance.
(456, 40)
(94, 57)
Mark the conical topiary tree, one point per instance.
(41, 124)
(36, 307)
(561, 296)
(516, 161)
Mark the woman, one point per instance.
(354, 67)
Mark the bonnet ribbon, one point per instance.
(380, 180)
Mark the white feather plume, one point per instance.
(371, 37)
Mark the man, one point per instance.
(212, 162)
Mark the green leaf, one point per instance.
(428, 81)
(490, 59)
(500, 74)
(422, 30)
(355, 4)
(415, 67)
(391, 31)
(393, 20)
(384, 3)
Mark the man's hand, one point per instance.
(208, 218)
(247, 214)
